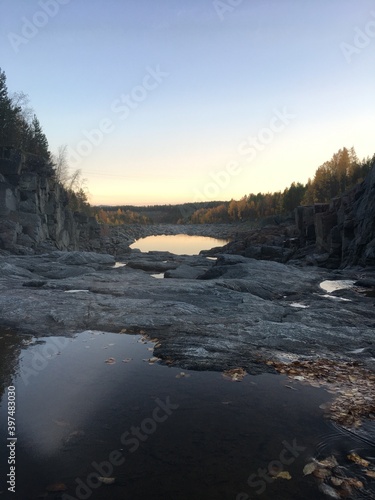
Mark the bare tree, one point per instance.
(73, 182)
(61, 166)
(21, 101)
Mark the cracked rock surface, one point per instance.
(235, 311)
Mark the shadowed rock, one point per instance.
(243, 313)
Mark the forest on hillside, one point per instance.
(342, 172)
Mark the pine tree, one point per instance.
(7, 115)
(39, 143)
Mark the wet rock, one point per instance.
(366, 283)
(34, 284)
(239, 314)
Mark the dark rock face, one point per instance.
(344, 230)
(34, 215)
(274, 242)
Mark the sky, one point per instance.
(172, 101)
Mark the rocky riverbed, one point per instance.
(206, 314)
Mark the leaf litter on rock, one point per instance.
(235, 374)
(333, 478)
(353, 386)
(354, 457)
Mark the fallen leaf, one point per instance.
(283, 475)
(52, 488)
(356, 483)
(73, 438)
(107, 480)
(354, 457)
(309, 468)
(322, 473)
(336, 481)
(370, 473)
(152, 361)
(329, 462)
(329, 491)
(110, 361)
(235, 374)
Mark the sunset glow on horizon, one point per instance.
(172, 102)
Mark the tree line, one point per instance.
(118, 216)
(342, 172)
(20, 129)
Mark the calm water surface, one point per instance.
(180, 244)
(161, 434)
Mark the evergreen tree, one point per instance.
(39, 143)
(293, 196)
(7, 114)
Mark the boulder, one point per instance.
(82, 258)
(185, 272)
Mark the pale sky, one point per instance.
(196, 99)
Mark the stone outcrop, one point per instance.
(34, 212)
(275, 242)
(241, 311)
(343, 230)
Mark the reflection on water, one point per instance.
(10, 348)
(335, 285)
(158, 276)
(99, 403)
(180, 244)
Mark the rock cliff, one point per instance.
(343, 230)
(34, 212)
